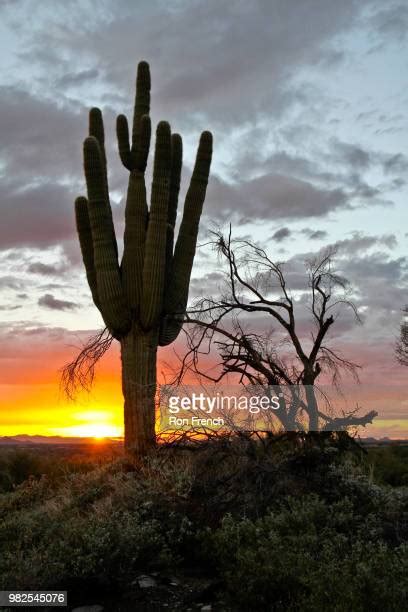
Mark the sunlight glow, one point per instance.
(96, 424)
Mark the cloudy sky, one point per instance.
(307, 103)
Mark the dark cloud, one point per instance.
(366, 115)
(209, 284)
(336, 170)
(232, 48)
(42, 169)
(43, 137)
(9, 307)
(43, 269)
(78, 78)
(315, 234)
(281, 234)
(396, 163)
(392, 22)
(281, 162)
(10, 282)
(360, 242)
(37, 215)
(379, 267)
(49, 301)
(350, 154)
(272, 196)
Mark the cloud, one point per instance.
(314, 234)
(335, 172)
(49, 301)
(232, 48)
(208, 284)
(43, 269)
(391, 22)
(360, 243)
(43, 137)
(10, 282)
(281, 234)
(272, 196)
(78, 78)
(350, 154)
(34, 353)
(395, 163)
(37, 215)
(8, 307)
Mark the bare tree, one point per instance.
(282, 355)
(402, 343)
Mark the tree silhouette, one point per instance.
(285, 355)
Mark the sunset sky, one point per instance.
(308, 104)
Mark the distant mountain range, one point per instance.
(26, 440)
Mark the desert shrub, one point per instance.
(278, 524)
(19, 464)
(244, 476)
(309, 555)
(389, 465)
(16, 466)
(98, 528)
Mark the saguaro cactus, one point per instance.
(143, 299)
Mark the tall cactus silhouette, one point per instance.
(143, 299)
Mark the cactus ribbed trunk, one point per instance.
(138, 353)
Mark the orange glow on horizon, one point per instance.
(32, 403)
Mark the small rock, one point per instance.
(146, 582)
(207, 608)
(94, 608)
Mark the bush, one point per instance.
(389, 465)
(277, 524)
(308, 555)
(98, 529)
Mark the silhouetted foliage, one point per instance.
(290, 522)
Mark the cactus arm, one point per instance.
(141, 119)
(135, 157)
(97, 130)
(122, 133)
(114, 310)
(177, 296)
(155, 245)
(85, 241)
